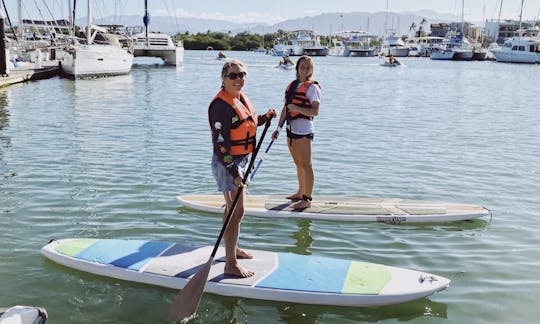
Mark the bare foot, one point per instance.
(294, 197)
(301, 205)
(237, 271)
(243, 254)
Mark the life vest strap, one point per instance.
(245, 142)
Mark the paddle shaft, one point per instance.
(278, 129)
(241, 189)
(186, 302)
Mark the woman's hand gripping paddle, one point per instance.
(186, 302)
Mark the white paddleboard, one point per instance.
(385, 210)
(282, 277)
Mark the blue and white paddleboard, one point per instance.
(355, 209)
(283, 277)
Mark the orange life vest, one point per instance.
(298, 97)
(243, 126)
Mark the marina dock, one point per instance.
(20, 74)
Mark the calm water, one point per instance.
(105, 158)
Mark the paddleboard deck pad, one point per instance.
(278, 276)
(385, 210)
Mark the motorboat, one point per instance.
(355, 43)
(442, 54)
(457, 49)
(521, 48)
(310, 43)
(424, 45)
(395, 46)
(287, 45)
(337, 48)
(479, 53)
(518, 50)
(299, 42)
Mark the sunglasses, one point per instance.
(234, 76)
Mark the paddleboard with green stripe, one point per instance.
(282, 277)
(357, 209)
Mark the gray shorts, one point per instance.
(224, 180)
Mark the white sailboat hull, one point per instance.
(399, 51)
(462, 54)
(361, 52)
(88, 61)
(169, 56)
(442, 55)
(158, 45)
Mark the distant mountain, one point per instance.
(323, 24)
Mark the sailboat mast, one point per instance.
(386, 20)
(146, 21)
(463, 17)
(89, 23)
(21, 27)
(520, 14)
(499, 22)
(72, 18)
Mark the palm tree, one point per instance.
(421, 28)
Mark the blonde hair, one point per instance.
(227, 66)
(310, 62)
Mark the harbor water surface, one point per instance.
(105, 158)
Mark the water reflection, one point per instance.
(5, 141)
(303, 238)
(298, 313)
(233, 310)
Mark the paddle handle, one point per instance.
(241, 189)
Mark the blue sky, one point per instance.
(273, 11)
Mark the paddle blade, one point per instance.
(186, 302)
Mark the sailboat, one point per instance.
(392, 43)
(100, 54)
(157, 44)
(459, 48)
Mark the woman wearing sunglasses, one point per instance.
(233, 123)
(302, 99)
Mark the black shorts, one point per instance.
(292, 135)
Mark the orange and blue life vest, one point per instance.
(243, 126)
(297, 95)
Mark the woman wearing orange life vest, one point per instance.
(233, 124)
(302, 99)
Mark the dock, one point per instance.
(30, 73)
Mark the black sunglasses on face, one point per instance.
(234, 76)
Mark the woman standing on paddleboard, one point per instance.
(302, 99)
(233, 123)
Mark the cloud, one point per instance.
(242, 18)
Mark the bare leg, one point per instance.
(231, 236)
(301, 152)
(293, 150)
